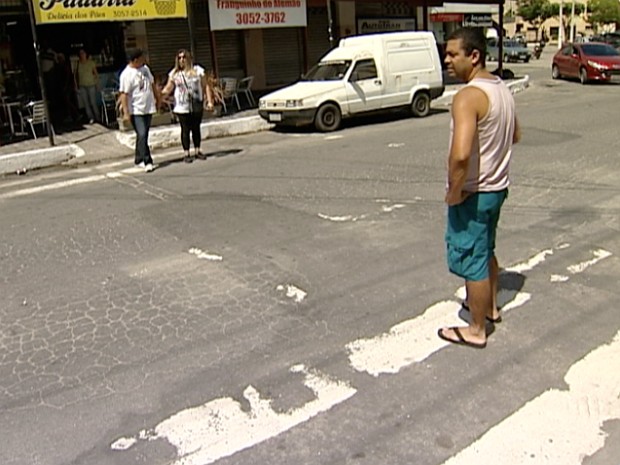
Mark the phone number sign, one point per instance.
(256, 14)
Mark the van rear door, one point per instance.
(364, 87)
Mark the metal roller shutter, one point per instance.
(164, 38)
(283, 55)
(318, 34)
(230, 53)
(202, 36)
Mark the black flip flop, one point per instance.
(465, 307)
(461, 340)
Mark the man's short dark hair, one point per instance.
(134, 54)
(472, 38)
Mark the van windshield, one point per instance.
(327, 71)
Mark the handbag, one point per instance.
(195, 105)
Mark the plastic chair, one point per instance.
(36, 115)
(229, 89)
(108, 106)
(218, 95)
(245, 87)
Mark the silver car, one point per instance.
(513, 51)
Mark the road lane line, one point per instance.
(220, 428)
(54, 186)
(560, 427)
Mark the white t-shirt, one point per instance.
(137, 83)
(185, 85)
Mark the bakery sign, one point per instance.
(77, 11)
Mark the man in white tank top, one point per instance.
(483, 129)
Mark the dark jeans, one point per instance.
(190, 122)
(142, 124)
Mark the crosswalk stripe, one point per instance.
(560, 427)
(221, 427)
(415, 340)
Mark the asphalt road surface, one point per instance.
(278, 303)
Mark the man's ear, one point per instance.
(475, 57)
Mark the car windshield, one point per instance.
(327, 71)
(599, 50)
(512, 44)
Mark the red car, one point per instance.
(588, 61)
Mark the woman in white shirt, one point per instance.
(189, 83)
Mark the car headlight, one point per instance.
(597, 65)
(294, 103)
(262, 104)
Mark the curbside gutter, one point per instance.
(515, 87)
(169, 136)
(32, 159)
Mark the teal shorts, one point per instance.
(470, 236)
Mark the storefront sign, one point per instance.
(370, 26)
(477, 20)
(446, 17)
(78, 11)
(256, 14)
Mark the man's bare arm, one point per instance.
(517, 134)
(465, 114)
(124, 105)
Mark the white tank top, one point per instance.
(490, 156)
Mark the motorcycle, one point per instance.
(538, 48)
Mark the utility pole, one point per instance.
(572, 22)
(561, 28)
(37, 52)
(330, 23)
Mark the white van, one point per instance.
(363, 74)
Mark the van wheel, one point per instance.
(421, 104)
(327, 118)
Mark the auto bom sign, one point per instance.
(78, 11)
(256, 14)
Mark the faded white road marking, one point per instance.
(395, 145)
(205, 255)
(560, 427)
(340, 219)
(599, 255)
(293, 292)
(527, 265)
(406, 343)
(416, 339)
(221, 427)
(531, 263)
(51, 187)
(335, 137)
(391, 208)
(384, 209)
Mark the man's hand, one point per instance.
(455, 198)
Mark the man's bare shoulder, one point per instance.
(471, 97)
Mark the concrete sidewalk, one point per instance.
(96, 143)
